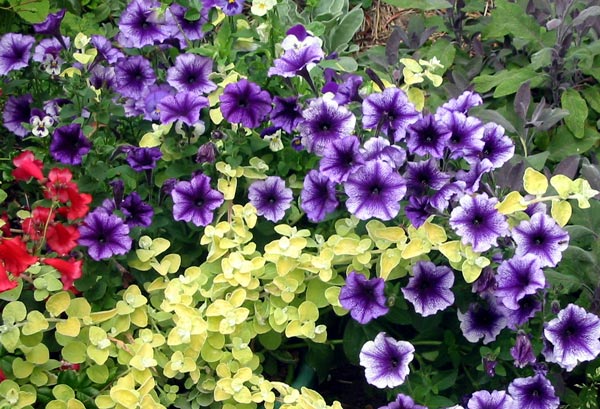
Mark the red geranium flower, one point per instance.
(70, 270)
(61, 238)
(5, 285)
(15, 256)
(27, 167)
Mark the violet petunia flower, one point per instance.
(518, 277)
(534, 392)
(183, 106)
(137, 212)
(542, 237)
(472, 178)
(418, 209)
(403, 402)
(389, 111)
(424, 177)
(450, 191)
(51, 25)
(574, 336)
(69, 144)
(528, 307)
(497, 147)
(427, 136)
(270, 197)
(286, 113)
(17, 111)
(245, 103)
(141, 24)
(344, 156)
(15, 51)
(484, 319)
(363, 298)
(187, 29)
(463, 103)
(142, 159)
(195, 201)
(190, 74)
(478, 222)
(106, 51)
(152, 97)
(379, 148)
(317, 198)
(374, 191)
(522, 351)
(134, 75)
(493, 400)
(429, 289)
(105, 235)
(466, 133)
(386, 361)
(293, 61)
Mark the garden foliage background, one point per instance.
(236, 204)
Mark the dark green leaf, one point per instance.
(564, 144)
(31, 11)
(592, 96)
(421, 4)
(511, 19)
(572, 101)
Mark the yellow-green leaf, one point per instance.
(38, 355)
(562, 184)
(451, 249)
(561, 212)
(513, 202)
(63, 392)
(534, 182)
(417, 97)
(470, 272)
(69, 327)
(36, 322)
(14, 312)
(415, 248)
(58, 303)
(97, 373)
(22, 369)
(390, 258)
(74, 352)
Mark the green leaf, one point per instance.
(38, 355)
(74, 352)
(445, 51)
(592, 96)
(345, 64)
(511, 19)
(97, 373)
(421, 4)
(561, 212)
(36, 322)
(348, 26)
(3, 196)
(572, 101)
(14, 312)
(565, 144)
(31, 11)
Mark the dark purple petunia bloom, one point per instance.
(478, 222)
(534, 392)
(244, 102)
(542, 237)
(418, 210)
(403, 402)
(16, 111)
(195, 201)
(134, 75)
(374, 190)
(441, 199)
(463, 102)
(423, 177)
(347, 90)
(187, 29)
(484, 319)
(295, 60)
(104, 234)
(386, 361)
(102, 77)
(141, 159)
(427, 136)
(363, 298)
(190, 74)
(231, 7)
(487, 400)
(574, 336)
(105, 49)
(522, 352)
(137, 212)
(141, 24)
(528, 307)
(15, 50)
(183, 106)
(344, 156)
(51, 25)
(518, 277)
(270, 197)
(389, 111)
(325, 122)
(428, 290)
(69, 144)
(379, 148)
(318, 196)
(286, 113)
(497, 147)
(472, 178)
(466, 133)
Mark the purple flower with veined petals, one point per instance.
(16, 111)
(466, 133)
(286, 113)
(534, 392)
(478, 222)
(497, 147)
(344, 156)
(190, 74)
(69, 144)
(472, 178)
(528, 307)
(518, 277)
(51, 25)
(386, 361)
(317, 198)
(542, 237)
(244, 102)
(187, 29)
(574, 336)
(462, 103)
(418, 210)
(231, 7)
(487, 400)
(347, 90)
(105, 49)
(389, 111)
(102, 77)
(195, 201)
(325, 123)
(484, 319)
(522, 352)
(152, 98)
(441, 199)
(363, 298)
(15, 50)
(134, 75)
(403, 402)
(270, 197)
(379, 148)
(295, 60)
(183, 106)
(140, 24)
(374, 190)
(142, 159)
(423, 177)
(137, 212)
(428, 290)
(427, 136)
(105, 235)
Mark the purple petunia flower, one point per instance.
(542, 237)
(441, 199)
(195, 201)
(386, 361)
(534, 392)
(183, 106)
(325, 122)
(374, 190)
(497, 147)
(344, 156)
(286, 113)
(294, 61)
(522, 351)
(418, 210)
(403, 402)
(347, 90)
(427, 136)
(231, 7)
(69, 144)
(462, 103)
(574, 336)
(105, 49)
(518, 277)
(16, 111)
(318, 196)
(244, 102)
(379, 148)
(104, 234)
(478, 222)
(190, 74)
(487, 400)
(466, 133)
(187, 29)
(141, 159)
(15, 50)
(141, 24)
(270, 197)
(136, 211)
(363, 298)
(428, 290)
(51, 25)
(484, 319)
(528, 307)
(389, 111)
(133, 76)
(423, 177)
(472, 178)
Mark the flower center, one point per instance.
(538, 240)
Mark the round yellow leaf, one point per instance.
(561, 212)
(534, 182)
(70, 327)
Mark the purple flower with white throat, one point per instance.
(403, 402)
(478, 222)
(386, 361)
(342, 159)
(534, 392)
(484, 319)
(195, 201)
(293, 61)
(141, 24)
(365, 299)
(298, 37)
(15, 50)
(134, 75)
(152, 98)
(104, 234)
(493, 400)
(518, 277)
(231, 7)
(286, 113)
(389, 111)
(466, 133)
(374, 191)
(497, 147)
(574, 335)
(245, 103)
(318, 198)
(528, 307)
(542, 237)
(69, 144)
(190, 74)
(427, 136)
(270, 197)
(183, 106)
(428, 290)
